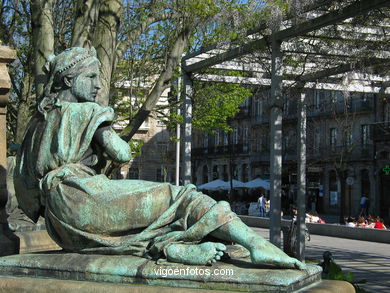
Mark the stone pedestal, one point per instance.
(8, 242)
(70, 272)
(118, 270)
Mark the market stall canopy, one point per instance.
(219, 184)
(257, 183)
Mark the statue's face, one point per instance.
(86, 85)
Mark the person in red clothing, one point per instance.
(379, 224)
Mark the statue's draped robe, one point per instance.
(87, 212)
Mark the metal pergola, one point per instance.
(330, 39)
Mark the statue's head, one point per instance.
(75, 72)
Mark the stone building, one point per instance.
(344, 130)
(153, 151)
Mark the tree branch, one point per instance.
(173, 61)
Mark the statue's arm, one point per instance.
(115, 147)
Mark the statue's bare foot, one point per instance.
(274, 256)
(195, 254)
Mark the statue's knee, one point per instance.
(224, 204)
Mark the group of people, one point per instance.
(366, 222)
(313, 217)
(263, 204)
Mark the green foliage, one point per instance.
(136, 147)
(173, 119)
(215, 103)
(201, 8)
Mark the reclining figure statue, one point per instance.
(86, 212)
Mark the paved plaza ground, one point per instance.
(367, 260)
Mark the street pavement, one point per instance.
(366, 260)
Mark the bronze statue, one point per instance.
(87, 212)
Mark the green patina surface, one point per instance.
(87, 212)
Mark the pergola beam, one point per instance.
(354, 9)
(266, 82)
(291, 32)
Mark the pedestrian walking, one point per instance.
(261, 205)
(363, 205)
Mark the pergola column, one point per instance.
(187, 142)
(177, 144)
(276, 142)
(301, 154)
(8, 242)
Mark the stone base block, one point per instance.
(329, 286)
(37, 285)
(233, 274)
(35, 241)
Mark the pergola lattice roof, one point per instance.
(325, 44)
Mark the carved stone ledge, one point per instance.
(8, 242)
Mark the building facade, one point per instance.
(345, 132)
(152, 148)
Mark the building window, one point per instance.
(162, 148)
(337, 97)
(258, 144)
(160, 122)
(365, 181)
(317, 140)
(318, 96)
(205, 140)
(215, 172)
(159, 175)
(386, 112)
(333, 138)
(257, 108)
(245, 139)
(348, 138)
(145, 124)
(235, 135)
(225, 173)
(245, 172)
(216, 138)
(286, 106)
(225, 139)
(245, 106)
(286, 142)
(333, 189)
(205, 174)
(365, 134)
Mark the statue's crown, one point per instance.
(87, 54)
(74, 63)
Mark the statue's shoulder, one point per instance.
(86, 108)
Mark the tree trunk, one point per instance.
(42, 39)
(87, 12)
(342, 177)
(162, 82)
(24, 108)
(105, 42)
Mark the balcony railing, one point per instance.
(259, 119)
(352, 106)
(354, 152)
(222, 150)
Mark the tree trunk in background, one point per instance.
(105, 42)
(24, 108)
(342, 177)
(86, 17)
(42, 40)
